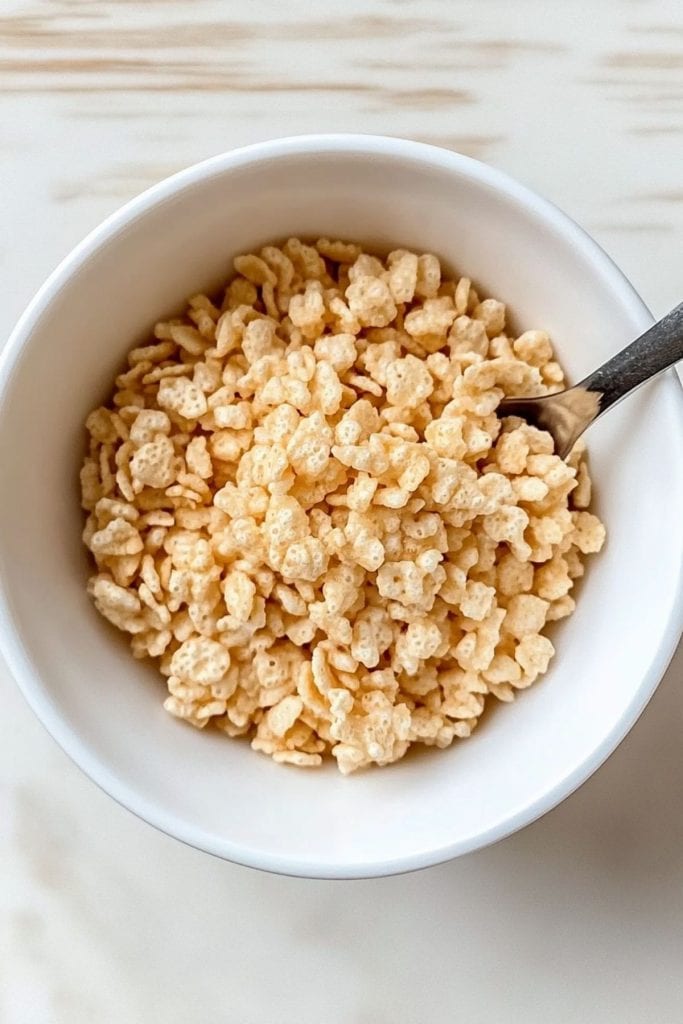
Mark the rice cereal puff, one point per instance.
(302, 503)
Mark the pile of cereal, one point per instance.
(302, 503)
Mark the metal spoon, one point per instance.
(566, 414)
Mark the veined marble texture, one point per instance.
(579, 918)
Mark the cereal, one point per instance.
(301, 500)
(409, 382)
(181, 395)
(371, 301)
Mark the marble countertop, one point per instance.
(578, 918)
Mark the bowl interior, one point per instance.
(106, 708)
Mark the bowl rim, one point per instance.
(16, 656)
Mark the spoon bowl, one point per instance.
(566, 414)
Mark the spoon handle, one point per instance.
(654, 351)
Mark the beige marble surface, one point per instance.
(580, 917)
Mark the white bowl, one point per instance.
(105, 709)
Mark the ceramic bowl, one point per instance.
(105, 709)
